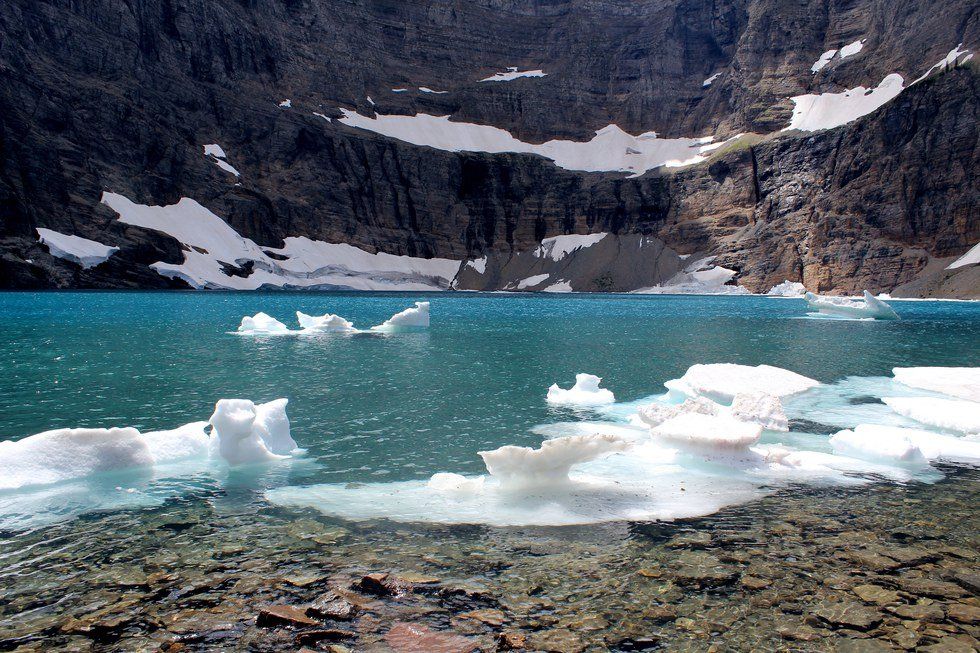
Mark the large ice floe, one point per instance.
(867, 307)
(722, 434)
(211, 245)
(85, 252)
(585, 392)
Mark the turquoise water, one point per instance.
(399, 407)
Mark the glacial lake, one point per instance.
(376, 415)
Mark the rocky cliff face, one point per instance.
(123, 95)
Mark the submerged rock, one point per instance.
(272, 616)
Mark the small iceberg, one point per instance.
(262, 324)
(585, 392)
(721, 382)
(549, 465)
(245, 432)
(411, 319)
(328, 323)
(870, 307)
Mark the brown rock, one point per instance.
(871, 560)
(509, 641)
(846, 614)
(489, 617)
(755, 583)
(313, 637)
(660, 614)
(284, 615)
(377, 584)
(935, 588)
(949, 645)
(331, 605)
(876, 594)
(919, 612)
(963, 613)
(416, 638)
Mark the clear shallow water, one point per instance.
(399, 408)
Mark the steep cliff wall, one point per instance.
(121, 96)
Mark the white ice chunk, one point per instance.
(261, 324)
(824, 59)
(869, 307)
(722, 381)
(828, 110)
(183, 443)
(962, 382)
(787, 289)
(272, 425)
(85, 252)
(852, 49)
(524, 467)
(972, 257)
(512, 74)
(945, 414)
(760, 408)
(64, 454)
(410, 319)
(875, 440)
(709, 433)
(328, 323)
(558, 247)
(585, 392)
(238, 429)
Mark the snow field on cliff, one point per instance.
(721, 435)
(85, 252)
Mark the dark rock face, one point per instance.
(121, 96)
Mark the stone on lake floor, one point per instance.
(659, 614)
(271, 616)
(755, 583)
(511, 641)
(919, 612)
(314, 637)
(933, 588)
(703, 570)
(330, 605)
(966, 579)
(871, 560)
(489, 616)
(963, 613)
(415, 638)
(847, 614)
(876, 594)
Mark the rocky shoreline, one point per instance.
(874, 568)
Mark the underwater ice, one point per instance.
(243, 432)
(585, 392)
(410, 319)
(869, 307)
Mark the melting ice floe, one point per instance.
(585, 392)
(411, 319)
(242, 432)
(85, 252)
(868, 307)
(701, 454)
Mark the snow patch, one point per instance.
(558, 247)
(216, 154)
(610, 150)
(426, 89)
(951, 59)
(972, 257)
(852, 49)
(85, 252)
(511, 74)
(829, 110)
(787, 289)
(560, 286)
(708, 81)
(824, 59)
(532, 281)
(286, 104)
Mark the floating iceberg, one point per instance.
(722, 381)
(962, 382)
(524, 467)
(945, 414)
(585, 392)
(243, 432)
(787, 289)
(870, 307)
(324, 323)
(410, 319)
(262, 324)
